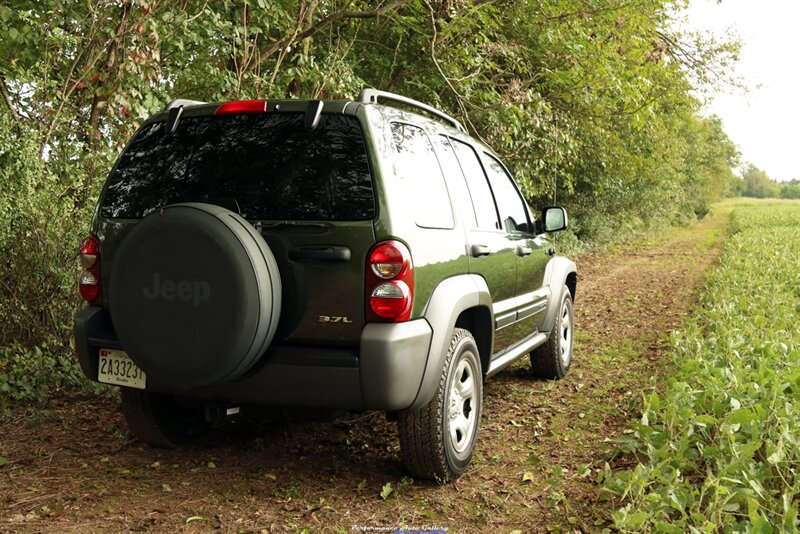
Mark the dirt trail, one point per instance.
(72, 467)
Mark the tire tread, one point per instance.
(546, 359)
(421, 442)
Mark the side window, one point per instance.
(512, 208)
(455, 181)
(482, 198)
(415, 163)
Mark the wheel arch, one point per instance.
(561, 272)
(460, 301)
(572, 284)
(478, 320)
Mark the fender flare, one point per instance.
(448, 301)
(558, 270)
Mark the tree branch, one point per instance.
(282, 44)
(587, 12)
(7, 98)
(459, 99)
(108, 67)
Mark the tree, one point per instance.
(759, 184)
(790, 189)
(737, 186)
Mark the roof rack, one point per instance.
(183, 102)
(371, 96)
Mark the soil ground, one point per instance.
(71, 466)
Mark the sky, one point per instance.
(765, 121)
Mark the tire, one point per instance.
(162, 420)
(433, 446)
(194, 295)
(553, 359)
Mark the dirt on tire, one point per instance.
(70, 465)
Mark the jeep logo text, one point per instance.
(185, 290)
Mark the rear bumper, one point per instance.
(384, 373)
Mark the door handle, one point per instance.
(480, 250)
(522, 250)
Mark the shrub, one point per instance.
(40, 231)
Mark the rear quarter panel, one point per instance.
(437, 253)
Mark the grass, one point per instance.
(719, 445)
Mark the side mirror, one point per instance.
(554, 219)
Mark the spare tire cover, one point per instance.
(194, 295)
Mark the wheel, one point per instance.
(437, 441)
(162, 420)
(553, 359)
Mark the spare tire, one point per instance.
(195, 295)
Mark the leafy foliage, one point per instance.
(720, 449)
(587, 103)
(37, 284)
(590, 103)
(758, 184)
(791, 189)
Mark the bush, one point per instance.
(40, 231)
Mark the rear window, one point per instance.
(265, 166)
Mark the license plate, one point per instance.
(115, 367)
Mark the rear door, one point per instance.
(491, 248)
(310, 192)
(532, 258)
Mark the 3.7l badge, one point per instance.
(334, 319)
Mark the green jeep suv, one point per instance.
(348, 255)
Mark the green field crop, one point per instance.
(719, 449)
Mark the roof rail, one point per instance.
(183, 102)
(371, 96)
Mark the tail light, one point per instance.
(242, 106)
(89, 285)
(390, 283)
